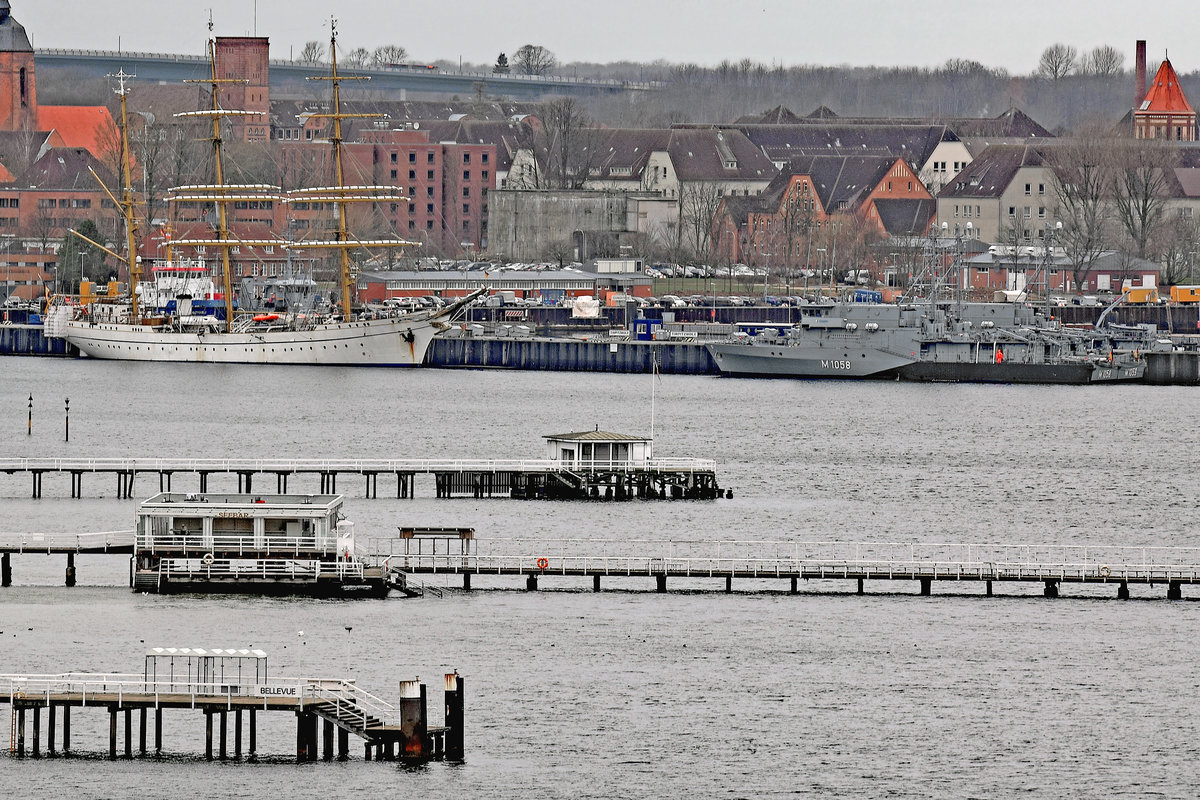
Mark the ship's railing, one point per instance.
(278, 545)
(346, 465)
(64, 542)
(820, 559)
(250, 569)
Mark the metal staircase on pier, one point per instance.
(353, 710)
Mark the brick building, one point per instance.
(1165, 113)
(245, 58)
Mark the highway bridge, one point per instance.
(176, 68)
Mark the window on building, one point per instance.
(412, 174)
(466, 226)
(1041, 188)
(466, 158)
(412, 158)
(429, 175)
(429, 225)
(484, 158)
(429, 191)
(466, 174)
(395, 174)
(1012, 211)
(395, 156)
(412, 225)
(429, 208)
(1028, 189)
(1041, 212)
(483, 175)
(466, 191)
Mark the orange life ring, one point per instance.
(542, 563)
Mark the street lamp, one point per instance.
(821, 265)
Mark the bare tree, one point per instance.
(502, 67)
(1104, 61)
(533, 59)
(1178, 249)
(1057, 61)
(698, 204)
(1139, 190)
(358, 57)
(563, 144)
(312, 53)
(1079, 173)
(389, 54)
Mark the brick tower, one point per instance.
(18, 97)
(245, 58)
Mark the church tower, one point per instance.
(18, 95)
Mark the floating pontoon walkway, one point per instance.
(675, 478)
(922, 564)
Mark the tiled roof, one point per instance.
(914, 143)
(843, 182)
(66, 168)
(624, 152)
(991, 173)
(705, 155)
(89, 127)
(902, 216)
(1165, 95)
(776, 116)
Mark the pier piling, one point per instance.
(70, 579)
(141, 732)
(343, 744)
(37, 732)
(531, 583)
(5, 570)
(1174, 590)
(414, 721)
(454, 739)
(1051, 589)
(660, 582)
(208, 730)
(1123, 591)
(66, 740)
(51, 714)
(128, 732)
(596, 582)
(21, 732)
(326, 740)
(112, 733)
(253, 754)
(237, 735)
(926, 587)
(224, 750)
(158, 730)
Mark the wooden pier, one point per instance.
(535, 561)
(335, 705)
(671, 478)
(70, 544)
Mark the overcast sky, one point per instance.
(1008, 33)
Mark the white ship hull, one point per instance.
(376, 343)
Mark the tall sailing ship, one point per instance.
(136, 332)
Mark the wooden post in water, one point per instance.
(112, 732)
(70, 569)
(596, 582)
(413, 721)
(1051, 589)
(327, 740)
(224, 750)
(142, 732)
(128, 732)
(1123, 591)
(660, 582)
(237, 735)
(455, 746)
(253, 754)
(5, 570)
(531, 582)
(158, 730)
(37, 732)
(208, 726)
(66, 729)
(926, 587)
(343, 744)
(21, 732)
(301, 739)
(50, 730)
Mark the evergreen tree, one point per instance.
(501, 67)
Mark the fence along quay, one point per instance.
(673, 478)
(222, 683)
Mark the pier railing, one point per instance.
(66, 542)
(812, 559)
(413, 465)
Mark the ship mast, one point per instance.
(220, 193)
(340, 195)
(134, 263)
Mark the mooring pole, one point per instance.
(413, 720)
(454, 747)
(29, 431)
(68, 429)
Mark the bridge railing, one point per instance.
(353, 701)
(272, 545)
(91, 686)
